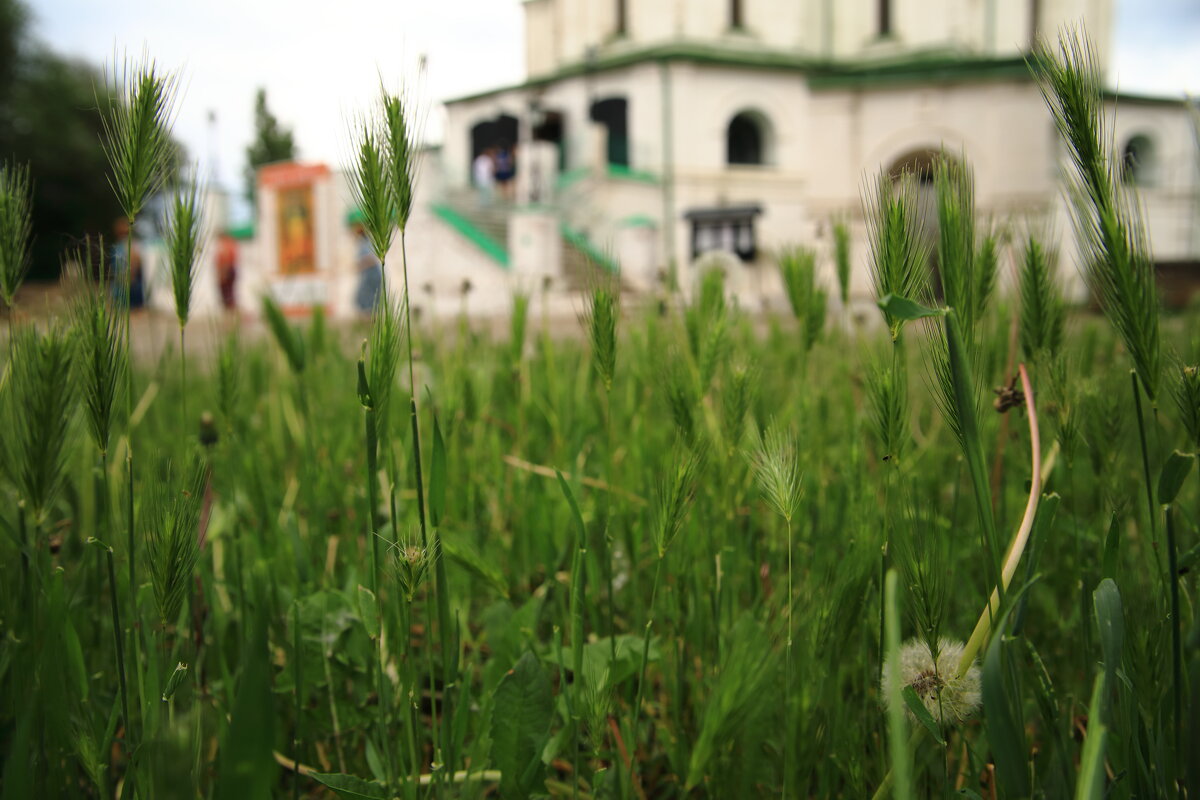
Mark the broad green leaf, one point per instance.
(1174, 472)
(350, 787)
(1091, 762)
(1006, 733)
(246, 765)
(906, 310)
(1110, 620)
(922, 714)
(521, 715)
(174, 681)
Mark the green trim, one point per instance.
(491, 248)
(622, 172)
(939, 69)
(581, 243)
(1115, 96)
(938, 65)
(571, 176)
(675, 51)
(618, 172)
(637, 221)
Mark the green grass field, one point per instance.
(689, 553)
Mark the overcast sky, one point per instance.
(321, 62)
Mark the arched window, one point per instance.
(735, 14)
(1137, 161)
(622, 19)
(748, 140)
(885, 17)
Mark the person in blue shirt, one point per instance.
(370, 272)
(120, 255)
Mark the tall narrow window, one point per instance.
(735, 14)
(621, 18)
(1035, 11)
(885, 17)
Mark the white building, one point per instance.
(653, 131)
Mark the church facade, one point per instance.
(653, 134)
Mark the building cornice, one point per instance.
(931, 66)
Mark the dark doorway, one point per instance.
(500, 131)
(551, 128)
(613, 113)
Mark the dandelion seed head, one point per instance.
(949, 697)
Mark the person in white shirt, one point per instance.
(483, 171)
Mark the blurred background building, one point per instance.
(671, 135)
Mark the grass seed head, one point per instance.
(601, 318)
(1108, 219)
(99, 334)
(841, 258)
(16, 226)
(399, 155)
(776, 463)
(171, 528)
(1186, 392)
(798, 266)
(899, 253)
(136, 119)
(184, 224)
(38, 406)
(1043, 308)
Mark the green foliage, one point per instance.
(798, 265)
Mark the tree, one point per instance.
(48, 120)
(271, 142)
